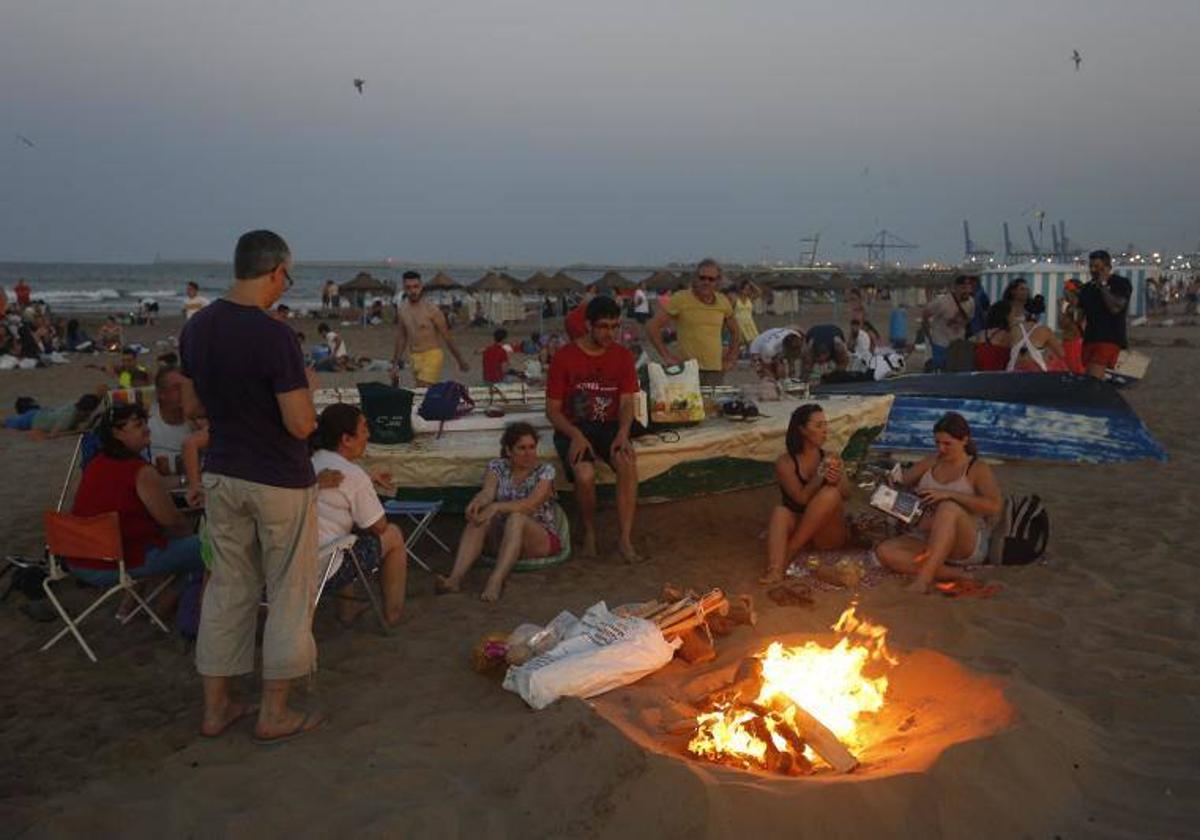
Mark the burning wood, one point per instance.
(785, 707)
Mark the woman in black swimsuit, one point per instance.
(813, 488)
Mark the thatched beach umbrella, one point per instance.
(444, 282)
(493, 282)
(363, 286)
(661, 281)
(612, 281)
(560, 283)
(534, 282)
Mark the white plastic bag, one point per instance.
(602, 652)
(675, 393)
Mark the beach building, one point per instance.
(1047, 279)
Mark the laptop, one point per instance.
(902, 504)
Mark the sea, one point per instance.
(121, 287)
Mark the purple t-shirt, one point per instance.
(239, 357)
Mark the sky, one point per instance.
(557, 131)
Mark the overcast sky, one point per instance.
(623, 131)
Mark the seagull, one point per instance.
(358, 84)
(26, 141)
(1077, 58)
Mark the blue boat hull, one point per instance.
(1048, 417)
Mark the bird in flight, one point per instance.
(358, 84)
(26, 141)
(1077, 58)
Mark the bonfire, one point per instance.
(790, 708)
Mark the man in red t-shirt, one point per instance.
(495, 358)
(590, 395)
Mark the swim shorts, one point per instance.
(427, 365)
(1101, 353)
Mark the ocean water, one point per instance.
(111, 287)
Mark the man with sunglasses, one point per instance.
(701, 314)
(245, 373)
(420, 327)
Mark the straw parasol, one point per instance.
(443, 281)
(534, 281)
(364, 284)
(612, 281)
(661, 281)
(493, 282)
(558, 284)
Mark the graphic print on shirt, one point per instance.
(593, 401)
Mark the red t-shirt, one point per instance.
(576, 322)
(495, 358)
(590, 387)
(110, 484)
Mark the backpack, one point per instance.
(1022, 533)
(446, 401)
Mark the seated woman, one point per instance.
(1035, 348)
(513, 515)
(157, 538)
(813, 488)
(961, 499)
(350, 505)
(992, 343)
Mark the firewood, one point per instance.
(772, 758)
(721, 625)
(741, 610)
(824, 742)
(748, 679)
(794, 742)
(696, 648)
(668, 610)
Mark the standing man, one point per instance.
(700, 314)
(946, 319)
(419, 326)
(245, 373)
(1104, 303)
(23, 294)
(193, 301)
(590, 394)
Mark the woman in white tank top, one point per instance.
(961, 499)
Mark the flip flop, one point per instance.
(311, 723)
(250, 709)
(968, 589)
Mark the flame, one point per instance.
(828, 683)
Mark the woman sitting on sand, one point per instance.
(813, 488)
(1035, 348)
(346, 504)
(961, 499)
(513, 515)
(156, 537)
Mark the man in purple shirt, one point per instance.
(246, 374)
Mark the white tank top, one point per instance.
(1035, 353)
(959, 485)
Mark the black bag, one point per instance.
(1022, 534)
(960, 354)
(388, 411)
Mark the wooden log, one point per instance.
(773, 758)
(696, 648)
(741, 610)
(824, 742)
(800, 764)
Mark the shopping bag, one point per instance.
(388, 411)
(602, 652)
(675, 393)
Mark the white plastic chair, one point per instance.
(332, 555)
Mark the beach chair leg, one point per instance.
(154, 593)
(73, 624)
(412, 555)
(371, 594)
(433, 536)
(142, 605)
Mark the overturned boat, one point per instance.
(1013, 416)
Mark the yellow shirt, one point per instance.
(699, 326)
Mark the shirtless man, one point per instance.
(419, 323)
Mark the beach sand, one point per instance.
(1094, 654)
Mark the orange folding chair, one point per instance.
(90, 538)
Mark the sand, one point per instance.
(1094, 659)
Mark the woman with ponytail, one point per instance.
(961, 499)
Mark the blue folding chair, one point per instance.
(421, 515)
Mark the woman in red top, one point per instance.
(993, 344)
(156, 537)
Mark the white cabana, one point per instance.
(1047, 279)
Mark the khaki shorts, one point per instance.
(263, 538)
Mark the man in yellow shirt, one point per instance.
(700, 314)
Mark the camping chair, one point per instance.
(90, 538)
(421, 514)
(340, 550)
